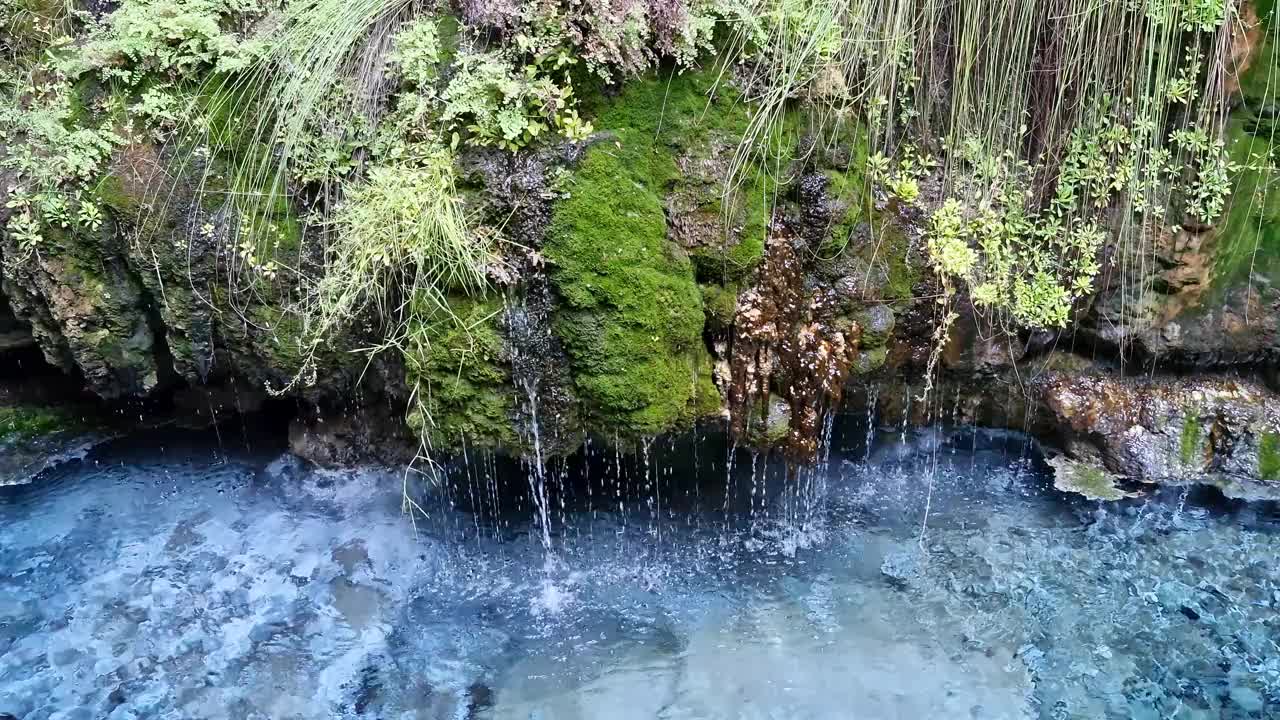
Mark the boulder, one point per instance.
(1218, 431)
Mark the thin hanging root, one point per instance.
(1016, 79)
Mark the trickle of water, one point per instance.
(652, 491)
(1182, 504)
(471, 488)
(538, 478)
(906, 416)
(873, 399)
(728, 481)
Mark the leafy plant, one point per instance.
(52, 160)
(416, 53)
(496, 104)
(171, 39)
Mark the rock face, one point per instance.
(1194, 306)
(341, 439)
(652, 278)
(1215, 431)
(87, 310)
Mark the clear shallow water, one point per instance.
(166, 577)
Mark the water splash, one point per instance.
(310, 596)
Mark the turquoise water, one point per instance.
(190, 576)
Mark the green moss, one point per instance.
(230, 109)
(707, 400)
(632, 318)
(870, 360)
(847, 185)
(740, 250)
(683, 131)
(1189, 443)
(720, 304)
(455, 363)
(1248, 242)
(284, 230)
(24, 422)
(1269, 456)
(1085, 478)
(1249, 239)
(689, 108)
(110, 191)
(1093, 483)
(876, 323)
(887, 253)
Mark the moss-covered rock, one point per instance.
(1269, 457)
(869, 360)
(24, 422)
(40, 426)
(877, 323)
(1176, 431)
(694, 123)
(1189, 448)
(720, 304)
(1088, 479)
(87, 309)
(1212, 295)
(770, 428)
(632, 314)
(455, 364)
(222, 321)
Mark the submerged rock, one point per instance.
(1088, 480)
(350, 437)
(35, 436)
(1204, 430)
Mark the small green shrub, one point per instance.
(53, 159)
(416, 53)
(400, 231)
(496, 102)
(172, 39)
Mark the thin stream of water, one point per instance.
(161, 577)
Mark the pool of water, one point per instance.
(917, 574)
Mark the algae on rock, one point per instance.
(461, 382)
(633, 318)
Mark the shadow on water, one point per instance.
(702, 476)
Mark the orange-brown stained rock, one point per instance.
(1246, 39)
(787, 340)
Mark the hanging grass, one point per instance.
(310, 130)
(1055, 124)
(399, 233)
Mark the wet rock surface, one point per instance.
(352, 436)
(1181, 312)
(792, 342)
(1222, 432)
(153, 305)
